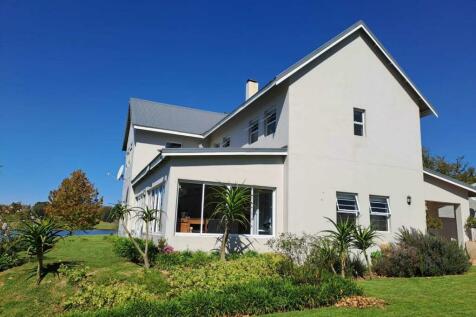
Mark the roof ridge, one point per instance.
(176, 106)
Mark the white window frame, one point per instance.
(378, 213)
(362, 124)
(155, 201)
(225, 140)
(252, 125)
(339, 210)
(201, 233)
(267, 115)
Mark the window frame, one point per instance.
(362, 124)
(226, 139)
(355, 212)
(267, 114)
(203, 234)
(157, 192)
(252, 125)
(381, 214)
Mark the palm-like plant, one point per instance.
(342, 236)
(365, 238)
(40, 236)
(147, 215)
(231, 204)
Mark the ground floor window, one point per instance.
(379, 213)
(156, 195)
(347, 207)
(196, 207)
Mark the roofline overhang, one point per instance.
(451, 181)
(166, 131)
(199, 152)
(359, 26)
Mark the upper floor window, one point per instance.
(379, 213)
(270, 122)
(226, 141)
(253, 131)
(359, 122)
(347, 207)
(172, 145)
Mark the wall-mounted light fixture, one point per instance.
(409, 200)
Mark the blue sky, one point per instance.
(68, 68)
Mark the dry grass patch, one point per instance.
(361, 302)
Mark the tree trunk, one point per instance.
(39, 269)
(342, 265)
(137, 246)
(223, 244)
(369, 267)
(146, 248)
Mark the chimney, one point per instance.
(251, 88)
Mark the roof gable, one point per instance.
(425, 107)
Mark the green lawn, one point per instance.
(19, 296)
(433, 296)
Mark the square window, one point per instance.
(270, 122)
(359, 122)
(253, 131)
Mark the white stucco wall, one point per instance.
(325, 157)
(237, 127)
(147, 144)
(252, 171)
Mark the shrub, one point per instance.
(470, 222)
(186, 258)
(124, 247)
(8, 261)
(263, 296)
(219, 274)
(295, 247)
(419, 254)
(91, 296)
(73, 274)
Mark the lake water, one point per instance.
(92, 232)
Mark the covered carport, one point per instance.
(447, 200)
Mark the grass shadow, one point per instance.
(52, 268)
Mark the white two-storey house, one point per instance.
(335, 135)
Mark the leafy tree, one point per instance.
(76, 203)
(39, 236)
(39, 208)
(365, 238)
(459, 169)
(147, 215)
(342, 237)
(231, 204)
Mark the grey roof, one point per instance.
(169, 117)
(450, 179)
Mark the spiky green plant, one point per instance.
(342, 238)
(39, 236)
(147, 215)
(231, 207)
(365, 238)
